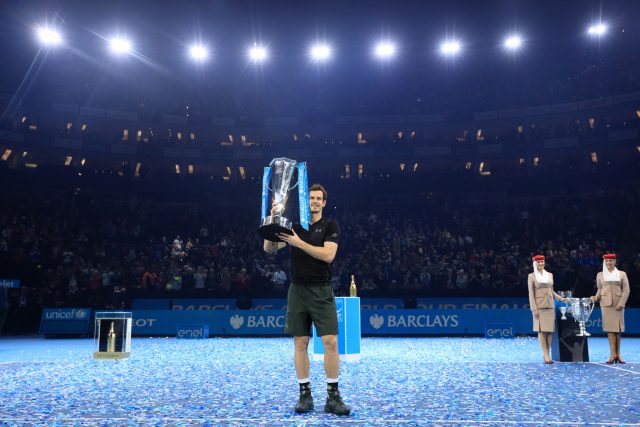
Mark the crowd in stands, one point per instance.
(100, 252)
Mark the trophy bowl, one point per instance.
(270, 226)
(581, 309)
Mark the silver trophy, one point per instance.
(563, 309)
(282, 170)
(580, 309)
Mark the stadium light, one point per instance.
(120, 45)
(513, 43)
(450, 47)
(598, 29)
(257, 53)
(385, 50)
(198, 52)
(320, 52)
(49, 36)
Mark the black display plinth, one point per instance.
(566, 345)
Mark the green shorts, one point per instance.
(307, 304)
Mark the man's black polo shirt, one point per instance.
(305, 269)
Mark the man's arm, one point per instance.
(324, 253)
(273, 247)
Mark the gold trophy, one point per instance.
(111, 340)
(353, 291)
(112, 334)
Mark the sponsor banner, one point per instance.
(447, 303)
(366, 303)
(269, 304)
(9, 283)
(498, 330)
(204, 304)
(65, 320)
(462, 322)
(199, 331)
(373, 322)
(220, 322)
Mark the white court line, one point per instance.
(604, 365)
(305, 420)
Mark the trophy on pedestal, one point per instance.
(112, 334)
(280, 173)
(580, 309)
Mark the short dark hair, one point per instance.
(318, 187)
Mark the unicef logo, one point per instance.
(236, 321)
(81, 314)
(376, 321)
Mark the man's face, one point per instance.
(316, 203)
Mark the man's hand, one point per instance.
(294, 240)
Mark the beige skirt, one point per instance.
(612, 320)
(546, 320)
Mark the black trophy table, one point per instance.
(566, 345)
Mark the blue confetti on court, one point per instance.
(251, 382)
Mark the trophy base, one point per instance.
(274, 225)
(110, 354)
(583, 334)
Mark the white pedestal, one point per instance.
(348, 310)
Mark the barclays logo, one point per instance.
(376, 321)
(236, 321)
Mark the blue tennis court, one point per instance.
(250, 381)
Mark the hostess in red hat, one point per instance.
(610, 275)
(541, 277)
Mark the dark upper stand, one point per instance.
(566, 345)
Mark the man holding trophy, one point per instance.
(314, 243)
